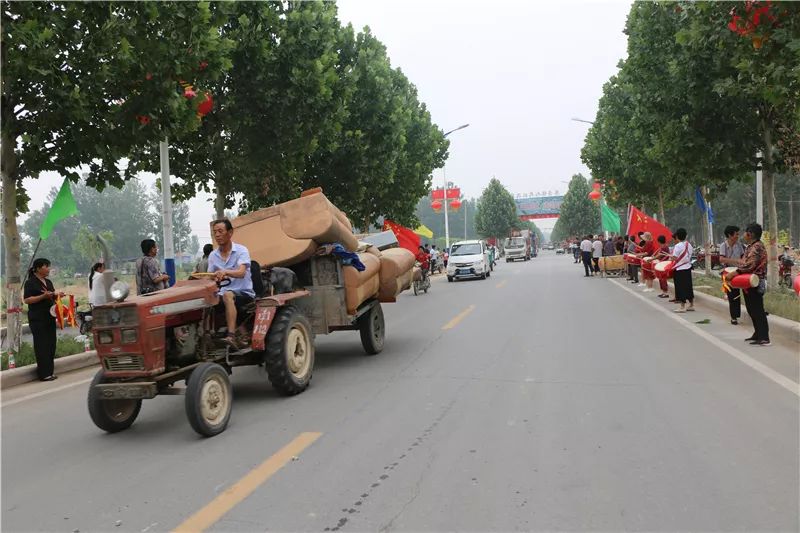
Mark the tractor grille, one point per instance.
(124, 362)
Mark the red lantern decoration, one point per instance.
(189, 93)
(205, 106)
(436, 205)
(596, 185)
(455, 204)
(595, 195)
(797, 284)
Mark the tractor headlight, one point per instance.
(119, 290)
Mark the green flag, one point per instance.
(610, 219)
(63, 207)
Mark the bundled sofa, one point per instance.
(293, 232)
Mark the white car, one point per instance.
(468, 259)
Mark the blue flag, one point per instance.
(701, 204)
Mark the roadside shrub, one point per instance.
(64, 346)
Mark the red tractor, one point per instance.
(148, 344)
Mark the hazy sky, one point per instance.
(516, 71)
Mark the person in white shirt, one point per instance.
(97, 287)
(597, 252)
(682, 277)
(586, 255)
(434, 258)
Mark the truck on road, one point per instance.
(518, 246)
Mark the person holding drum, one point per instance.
(682, 276)
(40, 296)
(663, 254)
(731, 252)
(754, 262)
(647, 254)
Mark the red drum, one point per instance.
(744, 281)
(632, 259)
(664, 269)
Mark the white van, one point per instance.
(468, 259)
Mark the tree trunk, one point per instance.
(219, 201)
(772, 209)
(661, 208)
(8, 169)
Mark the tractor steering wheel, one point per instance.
(210, 275)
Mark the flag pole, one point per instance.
(30, 263)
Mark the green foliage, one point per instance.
(87, 246)
(127, 215)
(435, 221)
(75, 77)
(307, 103)
(496, 214)
(579, 215)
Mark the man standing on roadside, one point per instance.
(754, 261)
(731, 252)
(586, 255)
(608, 247)
(597, 252)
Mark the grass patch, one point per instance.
(781, 302)
(64, 346)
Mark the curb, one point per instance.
(783, 326)
(18, 376)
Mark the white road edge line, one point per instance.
(759, 367)
(45, 392)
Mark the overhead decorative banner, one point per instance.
(539, 207)
(452, 192)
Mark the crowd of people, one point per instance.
(748, 257)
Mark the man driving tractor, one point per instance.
(231, 261)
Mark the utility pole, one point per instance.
(759, 192)
(166, 212)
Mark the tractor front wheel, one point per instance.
(111, 415)
(209, 399)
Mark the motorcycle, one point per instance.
(699, 260)
(785, 270)
(84, 321)
(422, 285)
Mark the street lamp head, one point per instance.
(458, 128)
(581, 120)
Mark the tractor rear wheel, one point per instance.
(372, 327)
(290, 351)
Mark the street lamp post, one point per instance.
(444, 175)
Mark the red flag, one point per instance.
(405, 237)
(638, 221)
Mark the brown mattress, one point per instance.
(288, 233)
(361, 286)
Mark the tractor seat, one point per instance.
(258, 280)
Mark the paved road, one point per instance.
(551, 401)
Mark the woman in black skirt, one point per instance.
(40, 295)
(682, 273)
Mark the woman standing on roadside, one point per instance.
(39, 295)
(97, 286)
